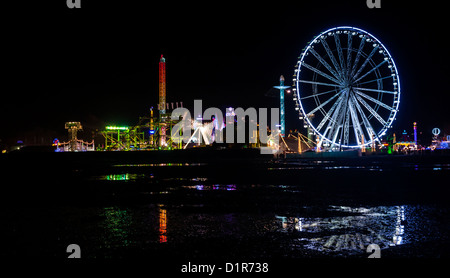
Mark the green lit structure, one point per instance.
(151, 132)
(122, 138)
(144, 136)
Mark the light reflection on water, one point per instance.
(162, 224)
(341, 230)
(350, 233)
(130, 227)
(201, 187)
(329, 165)
(116, 227)
(337, 231)
(159, 164)
(123, 177)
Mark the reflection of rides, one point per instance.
(117, 226)
(351, 233)
(399, 227)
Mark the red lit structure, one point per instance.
(162, 85)
(162, 101)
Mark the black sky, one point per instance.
(99, 64)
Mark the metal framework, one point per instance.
(144, 136)
(304, 143)
(151, 131)
(348, 80)
(122, 138)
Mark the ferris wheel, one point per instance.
(347, 88)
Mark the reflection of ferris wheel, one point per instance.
(347, 87)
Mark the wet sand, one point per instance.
(224, 207)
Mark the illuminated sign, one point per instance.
(116, 128)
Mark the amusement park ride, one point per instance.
(74, 144)
(346, 90)
(151, 132)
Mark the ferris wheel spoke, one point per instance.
(374, 80)
(382, 104)
(358, 55)
(333, 59)
(339, 50)
(370, 71)
(321, 73)
(376, 90)
(368, 58)
(355, 122)
(349, 51)
(347, 125)
(338, 120)
(333, 119)
(366, 121)
(371, 110)
(319, 94)
(324, 63)
(324, 103)
(327, 116)
(320, 83)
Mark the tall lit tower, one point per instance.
(281, 88)
(415, 132)
(162, 101)
(162, 85)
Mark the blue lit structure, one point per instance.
(281, 88)
(348, 80)
(415, 132)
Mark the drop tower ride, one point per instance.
(162, 101)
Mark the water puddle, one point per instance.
(160, 165)
(353, 229)
(203, 187)
(123, 177)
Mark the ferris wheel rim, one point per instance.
(334, 78)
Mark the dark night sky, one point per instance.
(99, 64)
